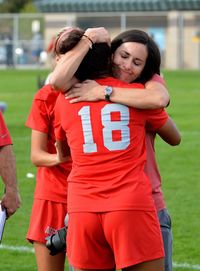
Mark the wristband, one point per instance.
(90, 40)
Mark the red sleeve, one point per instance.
(38, 117)
(155, 119)
(42, 109)
(58, 130)
(5, 138)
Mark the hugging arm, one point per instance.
(169, 133)
(153, 96)
(69, 62)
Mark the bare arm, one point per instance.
(11, 199)
(68, 64)
(39, 153)
(169, 133)
(155, 95)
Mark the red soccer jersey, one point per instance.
(51, 183)
(5, 138)
(107, 143)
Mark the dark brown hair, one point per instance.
(67, 39)
(96, 63)
(153, 61)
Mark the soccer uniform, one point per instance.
(152, 172)
(5, 138)
(107, 143)
(50, 196)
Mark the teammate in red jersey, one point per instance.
(11, 199)
(50, 196)
(100, 183)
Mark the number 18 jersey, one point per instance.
(107, 143)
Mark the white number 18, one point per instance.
(109, 126)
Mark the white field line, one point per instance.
(186, 266)
(31, 250)
(17, 248)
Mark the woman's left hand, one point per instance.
(89, 90)
(63, 152)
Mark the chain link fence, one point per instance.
(24, 38)
(21, 40)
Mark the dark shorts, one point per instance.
(165, 224)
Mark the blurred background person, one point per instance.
(9, 51)
(36, 47)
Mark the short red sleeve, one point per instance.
(156, 119)
(59, 131)
(42, 110)
(38, 118)
(5, 138)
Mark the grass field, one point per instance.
(179, 167)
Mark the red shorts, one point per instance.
(113, 239)
(46, 217)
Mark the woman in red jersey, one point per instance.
(92, 167)
(136, 57)
(50, 196)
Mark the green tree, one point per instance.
(29, 7)
(16, 6)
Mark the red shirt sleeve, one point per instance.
(59, 131)
(156, 119)
(5, 138)
(38, 118)
(42, 109)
